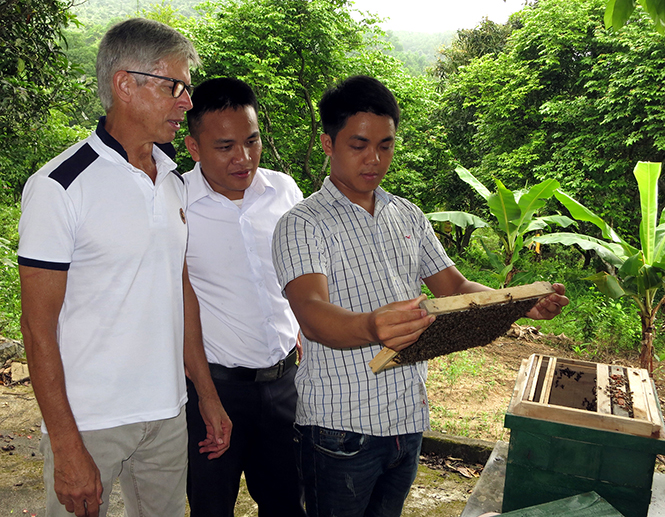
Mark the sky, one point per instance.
(438, 15)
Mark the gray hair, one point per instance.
(138, 44)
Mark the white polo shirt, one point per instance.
(245, 320)
(122, 241)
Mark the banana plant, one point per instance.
(458, 227)
(637, 273)
(515, 213)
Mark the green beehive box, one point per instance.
(566, 439)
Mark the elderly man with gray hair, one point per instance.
(108, 310)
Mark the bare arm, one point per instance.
(77, 481)
(218, 423)
(396, 325)
(450, 281)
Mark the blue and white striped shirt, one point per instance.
(369, 261)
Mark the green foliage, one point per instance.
(39, 87)
(477, 268)
(10, 290)
(290, 52)
(35, 74)
(470, 44)
(515, 214)
(617, 13)
(421, 150)
(638, 273)
(565, 99)
(417, 50)
(103, 12)
(32, 147)
(592, 323)
(457, 227)
(595, 324)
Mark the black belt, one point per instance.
(240, 373)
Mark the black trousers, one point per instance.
(262, 446)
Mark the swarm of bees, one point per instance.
(455, 331)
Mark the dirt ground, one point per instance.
(469, 394)
(439, 490)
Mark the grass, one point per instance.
(462, 381)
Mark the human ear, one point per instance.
(327, 144)
(122, 83)
(193, 148)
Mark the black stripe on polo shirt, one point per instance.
(42, 264)
(67, 171)
(168, 149)
(178, 175)
(111, 142)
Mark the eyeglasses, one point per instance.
(178, 86)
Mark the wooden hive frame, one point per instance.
(465, 321)
(535, 396)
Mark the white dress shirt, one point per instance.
(245, 319)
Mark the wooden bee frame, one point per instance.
(465, 321)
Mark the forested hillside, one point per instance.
(101, 12)
(417, 50)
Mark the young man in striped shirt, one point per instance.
(351, 259)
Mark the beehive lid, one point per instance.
(465, 321)
(589, 504)
(586, 394)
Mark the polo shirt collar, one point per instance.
(198, 187)
(333, 194)
(111, 142)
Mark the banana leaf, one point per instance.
(647, 174)
(461, 219)
(610, 252)
(469, 178)
(607, 284)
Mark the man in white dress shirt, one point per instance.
(249, 331)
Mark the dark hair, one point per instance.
(357, 94)
(217, 95)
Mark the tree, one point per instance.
(32, 148)
(566, 99)
(469, 44)
(290, 52)
(634, 272)
(38, 88)
(35, 74)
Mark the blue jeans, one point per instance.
(348, 474)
